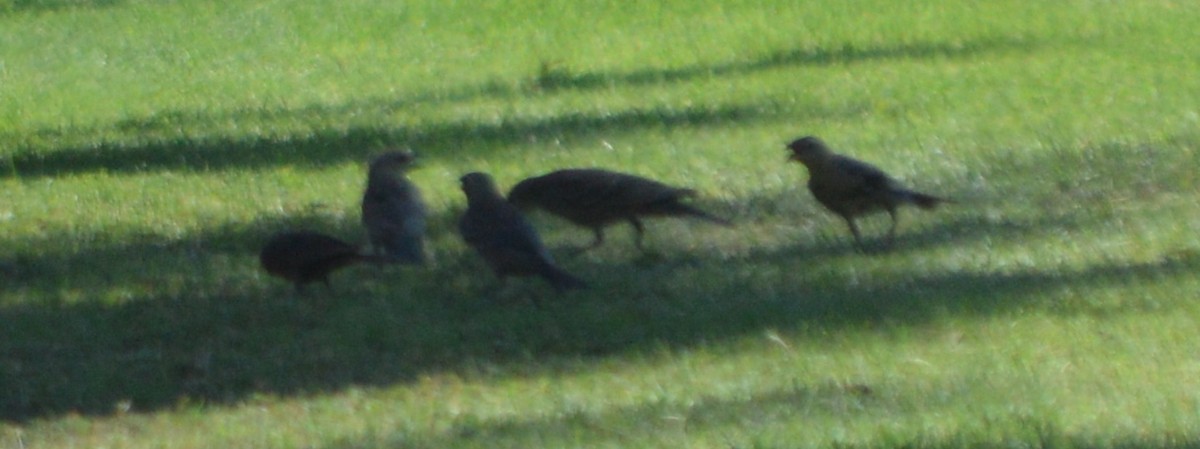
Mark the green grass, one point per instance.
(148, 149)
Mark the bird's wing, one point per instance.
(499, 227)
(398, 203)
(641, 191)
(862, 177)
(578, 188)
(516, 233)
(620, 191)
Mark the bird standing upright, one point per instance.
(851, 188)
(502, 236)
(304, 256)
(596, 198)
(392, 210)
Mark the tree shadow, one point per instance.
(16, 6)
(332, 146)
(154, 322)
(657, 421)
(163, 141)
(664, 422)
(157, 324)
(552, 77)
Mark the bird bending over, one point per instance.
(502, 236)
(392, 210)
(851, 188)
(301, 257)
(595, 198)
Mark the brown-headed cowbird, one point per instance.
(392, 210)
(596, 198)
(851, 188)
(304, 256)
(502, 236)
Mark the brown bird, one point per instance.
(596, 198)
(850, 188)
(502, 236)
(304, 256)
(392, 210)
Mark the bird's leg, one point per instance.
(891, 235)
(854, 230)
(379, 256)
(599, 240)
(638, 230)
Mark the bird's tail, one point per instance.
(924, 201)
(674, 207)
(561, 280)
(689, 210)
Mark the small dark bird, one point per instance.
(304, 256)
(851, 188)
(502, 236)
(392, 210)
(596, 198)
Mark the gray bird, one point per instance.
(595, 198)
(302, 257)
(392, 210)
(502, 236)
(851, 188)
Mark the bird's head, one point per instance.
(478, 185)
(392, 160)
(807, 149)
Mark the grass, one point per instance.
(147, 149)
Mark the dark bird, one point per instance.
(392, 210)
(502, 236)
(304, 256)
(596, 198)
(851, 188)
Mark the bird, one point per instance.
(851, 188)
(302, 257)
(504, 238)
(595, 198)
(392, 210)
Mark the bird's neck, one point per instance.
(379, 173)
(815, 162)
(485, 200)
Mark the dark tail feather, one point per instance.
(561, 280)
(924, 201)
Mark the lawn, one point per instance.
(148, 149)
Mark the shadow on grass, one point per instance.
(626, 426)
(747, 421)
(15, 6)
(154, 324)
(551, 77)
(667, 425)
(163, 141)
(357, 143)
